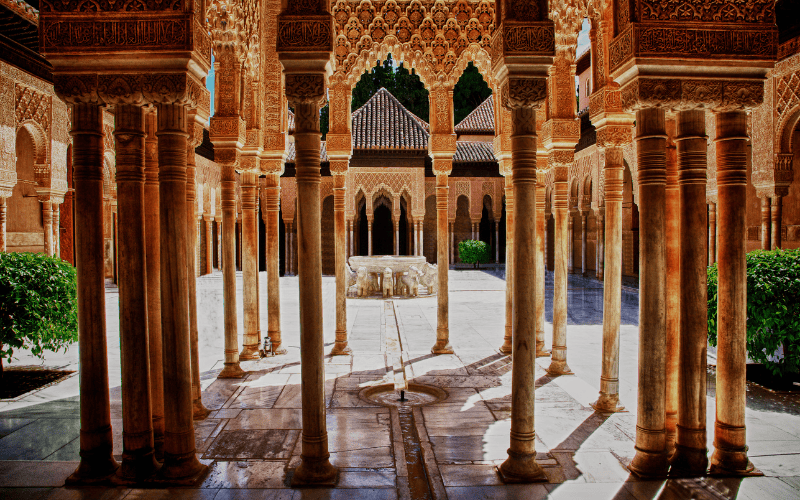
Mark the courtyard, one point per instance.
(448, 449)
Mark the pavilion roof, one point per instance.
(474, 152)
(383, 123)
(480, 121)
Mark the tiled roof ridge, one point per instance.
(384, 123)
(480, 119)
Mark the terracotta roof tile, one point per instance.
(480, 121)
(474, 152)
(383, 123)
(291, 153)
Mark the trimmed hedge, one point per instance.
(773, 308)
(38, 304)
(473, 252)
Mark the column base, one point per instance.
(137, 467)
(249, 353)
(506, 348)
(732, 463)
(688, 462)
(442, 347)
(521, 468)
(232, 370)
(541, 352)
(646, 464)
(607, 403)
(183, 470)
(95, 467)
(199, 410)
(277, 343)
(559, 368)
(315, 472)
(340, 348)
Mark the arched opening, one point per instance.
(24, 226)
(328, 238)
(382, 234)
(502, 241)
(403, 228)
(282, 244)
(485, 227)
(462, 228)
(575, 234)
(363, 230)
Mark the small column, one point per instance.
(601, 236)
(287, 260)
(249, 246)
(442, 345)
(138, 457)
(272, 209)
(209, 244)
(152, 240)
(712, 233)
(3, 212)
(673, 283)
(97, 461)
(56, 230)
(231, 368)
(352, 244)
(583, 242)
(563, 264)
(776, 221)
(315, 467)
(47, 222)
(396, 224)
(766, 226)
(691, 454)
(452, 243)
(340, 346)
(497, 241)
(521, 466)
(509, 189)
(571, 247)
(180, 460)
(369, 236)
(421, 238)
(730, 444)
(651, 453)
(416, 238)
(539, 263)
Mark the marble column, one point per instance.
(47, 222)
(422, 238)
(442, 345)
(539, 263)
(730, 445)
(180, 461)
(315, 466)
(209, 241)
(521, 466)
(3, 212)
(601, 229)
(712, 233)
(452, 243)
(691, 454)
(56, 230)
(584, 222)
(673, 283)
(198, 408)
(138, 455)
(651, 454)
(152, 231)
(340, 346)
(776, 222)
(766, 226)
(571, 247)
(97, 461)
(416, 238)
(351, 243)
(249, 245)
(231, 367)
(396, 224)
(563, 262)
(509, 189)
(612, 283)
(369, 236)
(272, 208)
(497, 241)
(287, 260)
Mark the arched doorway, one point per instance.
(462, 228)
(328, 238)
(485, 232)
(24, 226)
(382, 230)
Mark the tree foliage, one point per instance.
(473, 252)
(470, 91)
(38, 304)
(773, 308)
(404, 85)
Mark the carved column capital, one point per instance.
(305, 88)
(681, 94)
(521, 92)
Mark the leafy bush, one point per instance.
(38, 304)
(773, 308)
(473, 252)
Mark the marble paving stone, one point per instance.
(260, 391)
(92, 493)
(356, 383)
(379, 456)
(225, 413)
(220, 390)
(367, 478)
(171, 494)
(793, 482)
(275, 418)
(35, 474)
(9, 425)
(778, 465)
(599, 467)
(569, 491)
(645, 490)
(356, 428)
(246, 474)
(262, 494)
(36, 441)
(349, 399)
(469, 475)
(243, 444)
(23, 493)
(505, 492)
(291, 396)
(460, 381)
(204, 428)
(70, 452)
(346, 494)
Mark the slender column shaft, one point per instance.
(152, 231)
(712, 233)
(563, 244)
(249, 245)
(416, 238)
(180, 460)
(776, 222)
(231, 368)
(352, 252)
(315, 466)
(273, 200)
(47, 222)
(691, 454)
(442, 345)
(452, 244)
(571, 247)
(583, 242)
(396, 224)
(509, 189)
(421, 238)
(766, 226)
(673, 284)
(612, 282)
(56, 231)
(138, 459)
(369, 237)
(340, 345)
(97, 461)
(3, 212)
(497, 241)
(521, 462)
(601, 248)
(287, 260)
(730, 446)
(209, 246)
(539, 263)
(651, 456)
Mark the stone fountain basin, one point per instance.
(377, 263)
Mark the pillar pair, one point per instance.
(771, 215)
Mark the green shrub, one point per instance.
(38, 304)
(473, 252)
(773, 308)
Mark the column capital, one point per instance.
(681, 94)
